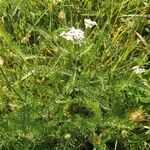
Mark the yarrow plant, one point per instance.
(73, 34)
(77, 35)
(89, 23)
(67, 82)
(138, 70)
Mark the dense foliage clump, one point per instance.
(67, 85)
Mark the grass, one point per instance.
(57, 95)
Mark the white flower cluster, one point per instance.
(89, 23)
(73, 34)
(77, 35)
(138, 70)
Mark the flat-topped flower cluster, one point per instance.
(73, 34)
(77, 35)
(89, 23)
(138, 70)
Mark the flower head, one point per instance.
(89, 23)
(138, 70)
(73, 34)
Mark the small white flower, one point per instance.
(89, 23)
(138, 70)
(73, 34)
